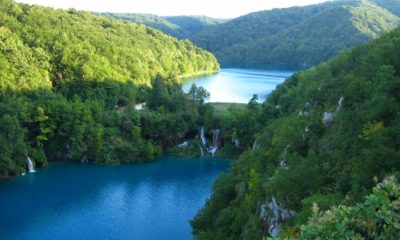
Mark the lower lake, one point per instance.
(238, 85)
(148, 201)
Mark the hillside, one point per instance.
(329, 134)
(297, 37)
(77, 45)
(69, 82)
(392, 5)
(178, 26)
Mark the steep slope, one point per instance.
(191, 25)
(296, 37)
(254, 26)
(178, 26)
(150, 20)
(392, 5)
(328, 133)
(69, 83)
(80, 46)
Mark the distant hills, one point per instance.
(177, 26)
(291, 38)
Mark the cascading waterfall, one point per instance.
(255, 145)
(236, 142)
(31, 168)
(216, 141)
(203, 136)
(201, 150)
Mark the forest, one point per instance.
(289, 38)
(69, 82)
(298, 37)
(320, 157)
(181, 27)
(329, 135)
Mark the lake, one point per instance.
(238, 85)
(148, 201)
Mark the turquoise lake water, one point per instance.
(148, 201)
(238, 85)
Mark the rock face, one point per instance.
(329, 116)
(273, 214)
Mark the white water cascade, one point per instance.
(31, 168)
(216, 141)
(255, 145)
(236, 141)
(203, 136)
(201, 150)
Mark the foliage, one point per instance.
(177, 26)
(69, 82)
(375, 218)
(301, 158)
(68, 46)
(298, 37)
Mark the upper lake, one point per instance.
(238, 85)
(150, 201)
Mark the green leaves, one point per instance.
(378, 217)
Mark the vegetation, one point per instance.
(327, 134)
(375, 218)
(69, 83)
(290, 38)
(298, 37)
(178, 26)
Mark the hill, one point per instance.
(297, 37)
(77, 45)
(177, 26)
(69, 82)
(329, 134)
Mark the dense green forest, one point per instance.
(178, 26)
(290, 38)
(329, 135)
(69, 82)
(297, 37)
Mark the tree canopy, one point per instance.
(328, 135)
(69, 82)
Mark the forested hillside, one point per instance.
(329, 135)
(69, 82)
(298, 37)
(178, 26)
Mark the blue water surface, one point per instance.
(83, 201)
(238, 85)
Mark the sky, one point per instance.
(211, 8)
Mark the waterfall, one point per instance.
(255, 145)
(201, 150)
(216, 137)
(203, 136)
(216, 141)
(31, 168)
(236, 142)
